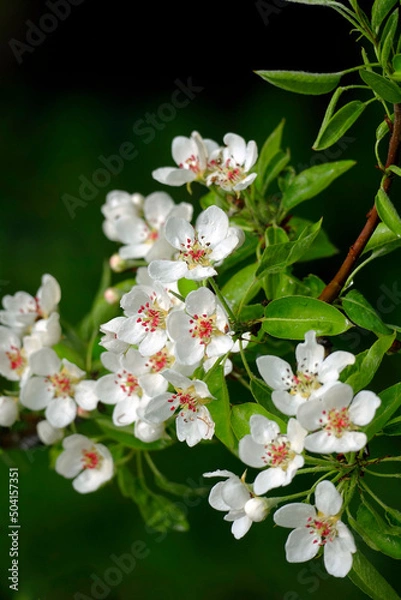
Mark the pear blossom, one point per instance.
(335, 419)
(14, 354)
(267, 446)
(89, 464)
(201, 330)
(126, 384)
(191, 155)
(8, 411)
(193, 421)
(314, 375)
(144, 237)
(146, 309)
(230, 165)
(236, 497)
(318, 527)
(57, 386)
(48, 434)
(22, 310)
(119, 204)
(199, 249)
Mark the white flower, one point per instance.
(318, 528)
(193, 422)
(144, 237)
(56, 385)
(315, 374)
(336, 417)
(201, 330)
(129, 381)
(22, 310)
(8, 411)
(235, 496)
(266, 446)
(89, 464)
(191, 155)
(146, 309)
(14, 355)
(48, 434)
(200, 248)
(229, 166)
(119, 204)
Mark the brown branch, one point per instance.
(333, 289)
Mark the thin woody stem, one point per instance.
(333, 289)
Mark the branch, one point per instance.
(333, 289)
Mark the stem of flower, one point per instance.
(223, 301)
(334, 288)
(395, 475)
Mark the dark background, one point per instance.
(76, 97)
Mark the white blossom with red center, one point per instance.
(314, 376)
(236, 498)
(316, 528)
(201, 330)
(21, 311)
(120, 204)
(90, 465)
(128, 384)
(229, 167)
(192, 156)
(336, 418)
(200, 248)
(193, 420)
(14, 355)
(57, 386)
(144, 237)
(145, 325)
(266, 446)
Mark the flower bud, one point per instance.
(111, 296)
(8, 411)
(117, 264)
(257, 509)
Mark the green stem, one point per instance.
(223, 301)
(376, 498)
(312, 470)
(395, 475)
(244, 361)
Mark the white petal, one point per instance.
(215, 497)
(148, 432)
(251, 155)
(301, 545)
(8, 411)
(219, 345)
(240, 527)
(178, 380)
(153, 342)
(167, 271)
(48, 434)
(183, 148)
(275, 371)
(251, 452)
(173, 176)
(294, 515)
(286, 403)
(156, 208)
(85, 394)
(332, 366)
(235, 494)
(125, 412)
(60, 412)
(321, 442)
(327, 499)
(36, 394)
(108, 390)
(212, 225)
(338, 562)
(309, 354)
(296, 435)
(44, 362)
(160, 409)
(178, 232)
(273, 477)
(236, 147)
(363, 408)
(263, 430)
(200, 302)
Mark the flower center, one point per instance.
(203, 327)
(191, 164)
(128, 383)
(62, 384)
(151, 317)
(337, 421)
(278, 453)
(194, 253)
(227, 173)
(304, 384)
(325, 528)
(91, 459)
(153, 235)
(160, 361)
(17, 360)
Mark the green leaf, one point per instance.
(302, 82)
(213, 199)
(364, 575)
(158, 512)
(220, 407)
(270, 148)
(277, 257)
(241, 414)
(276, 166)
(371, 361)
(387, 212)
(291, 317)
(315, 285)
(311, 182)
(393, 427)
(125, 436)
(388, 37)
(262, 394)
(384, 88)
(242, 287)
(391, 401)
(380, 9)
(362, 313)
(383, 241)
(360, 531)
(185, 286)
(338, 124)
(397, 62)
(247, 249)
(379, 531)
(321, 247)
